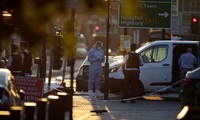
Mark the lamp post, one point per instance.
(107, 52)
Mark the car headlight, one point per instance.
(113, 69)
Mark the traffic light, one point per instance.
(57, 62)
(58, 53)
(97, 28)
(194, 28)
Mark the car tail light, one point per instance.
(187, 81)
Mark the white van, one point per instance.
(160, 67)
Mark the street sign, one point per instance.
(145, 13)
(174, 9)
(32, 86)
(125, 42)
(74, 4)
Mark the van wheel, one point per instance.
(137, 89)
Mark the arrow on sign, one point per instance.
(165, 14)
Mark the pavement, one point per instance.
(114, 110)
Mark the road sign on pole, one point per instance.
(145, 13)
(125, 42)
(73, 4)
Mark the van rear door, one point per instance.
(198, 54)
(178, 50)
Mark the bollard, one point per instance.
(53, 107)
(29, 110)
(64, 105)
(16, 113)
(193, 113)
(4, 115)
(42, 109)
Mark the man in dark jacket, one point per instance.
(14, 63)
(131, 63)
(26, 58)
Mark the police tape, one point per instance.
(149, 94)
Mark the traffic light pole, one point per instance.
(43, 65)
(163, 34)
(50, 69)
(72, 61)
(107, 53)
(64, 69)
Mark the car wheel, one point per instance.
(115, 85)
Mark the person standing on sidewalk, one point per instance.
(27, 59)
(14, 63)
(187, 62)
(96, 57)
(2, 61)
(131, 63)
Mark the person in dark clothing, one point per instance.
(14, 63)
(27, 61)
(2, 61)
(131, 63)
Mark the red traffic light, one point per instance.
(97, 28)
(194, 27)
(194, 19)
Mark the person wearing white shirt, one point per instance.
(187, 62)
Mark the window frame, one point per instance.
(154, 50)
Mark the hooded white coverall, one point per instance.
(96, 57)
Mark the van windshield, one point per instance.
(141, 47)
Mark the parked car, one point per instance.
(9, 96)
(81, 52)
(190, 94)
(116, 78)
(83, 75)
